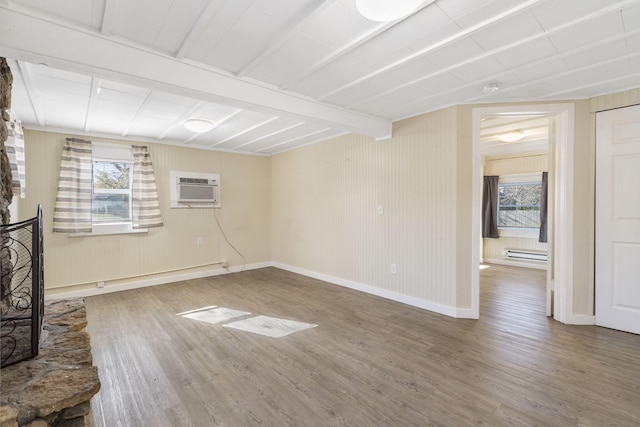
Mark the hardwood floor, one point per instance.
(370, 361)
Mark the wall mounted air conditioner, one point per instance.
(195, 190)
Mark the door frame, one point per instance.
(562, 252)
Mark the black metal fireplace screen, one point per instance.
(22, 305)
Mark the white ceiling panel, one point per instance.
(526, 53)
(368, 88)
(239, 46)
(521, 27)
(542, 69)
(386, 104)
(297, 130)
(83, 12)
(590, 31)
(254, 133)
(336, 24)
(604, 51)
(298, 53)
(413, 70)
(428, 26)
(223, 16)
(476, 12)
(333, 76)
(631, 18)
(259, 68)
(610, 70)
(313, 137)
(386, 50)
(481, 69)
(140, 21)
(456, 9)
(556, 13)
(633, 43)
(178, 23)
(546, 88)
(440, 82)
(456, 52)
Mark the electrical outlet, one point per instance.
(393, 269)
(380, 209)
(101, 284)
(199, 241)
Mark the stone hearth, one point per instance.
(54, 388)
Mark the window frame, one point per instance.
(512, 180)
(112, 153)
(128, 192)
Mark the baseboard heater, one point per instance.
(525, 255)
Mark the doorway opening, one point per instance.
(532, 122)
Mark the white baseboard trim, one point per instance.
(512, 263)
(583, 319)
(372, 290)
(135, 284)
(467, 313)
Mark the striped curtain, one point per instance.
(15, 151)
(72, 212)
(145, 205)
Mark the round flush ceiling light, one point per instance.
(511, 136)
(386, 10)
(198, 125)
(490, 88)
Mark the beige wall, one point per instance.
(75, 263)
(508, 165)
(315, 208)
(325, 199)
(325, 196)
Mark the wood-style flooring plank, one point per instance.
(369, 362)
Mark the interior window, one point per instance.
(519, 204)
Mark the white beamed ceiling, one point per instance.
(278, 74)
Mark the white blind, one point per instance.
(113, 152)
(520, 177)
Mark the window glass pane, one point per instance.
(110, 208)
(111, 192)
(111, 175)
(519, 205)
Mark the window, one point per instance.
(111, 196)
(105, 189)
(111, 192)
(519, 204)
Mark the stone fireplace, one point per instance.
(22, 280)
(54, 388)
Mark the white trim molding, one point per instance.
(151, 281)
(372, 290)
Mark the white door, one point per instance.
(617, 272)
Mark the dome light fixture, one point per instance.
(386, 10)
(490, 88)
(198, 125)
(511, 136)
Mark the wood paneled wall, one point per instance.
(327, 199)
(76, 263)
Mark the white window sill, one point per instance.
(526, 233)
(109, 229)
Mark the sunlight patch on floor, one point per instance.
(215, 315)
(270, 326)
